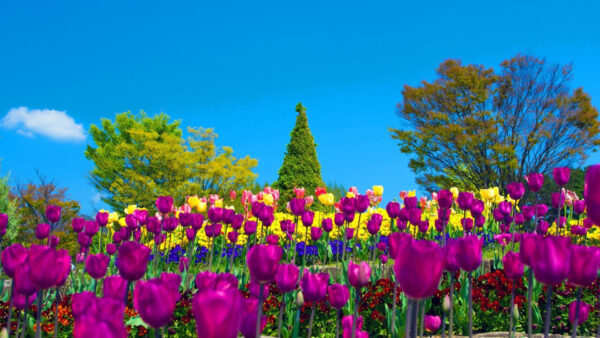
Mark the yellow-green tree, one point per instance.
(473, 127)
(138, 158)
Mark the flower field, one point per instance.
(456, 262)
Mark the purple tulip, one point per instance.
(254, 289)
(542, 227)
(418, 267)
(444, 199)
(519, 219)
(349, 217)
(550, 259)
(218, 313)
(291, 228)
(102, 218)
(314, 285)
(327, 224)
(540, 210)
(12, 257)
(237, 221)
(515, 190)
(444, 214)
(250, 227)
(141, 215)
(249, 313)
(477, 208)
(213, 230)
(578, 230)
(579, 207)
(297, 205)
(339, 219)
(185, 219)
(53, 213)
(359, 275)
(469, 252)
(592, 193)
(584, 311)
(102, 318)
(53, 241)
(316, 233)
(39, 259)
(513, 266)
(132, 260)
(374, 224)
(467, 224)
(170, 224)
(395, 242)
(42, 231)
(432, 323)
(272, 239)
(263, 261)
(349, 233)
(362, 203)
(347, 327)
(228, 215)
(63, 265)
(560, 221)
(558, 199)
(414, 216)
(131, 221)
(232, 236)
(114, 287)
(338, 295)
(96, 265)
(23, 283)
(561, 176)
(197, 221)
(410, 202)
(528, 212)
(20, 301)
(451, 252)
(111, 248)
(307, 218)
(535, 181)
(3, 221)
(78, 223)
(393, 209)
(155, 300)
(480, 221)
(164, 204)
(381, 246)
(584, 265)
(83, 240)
(286, 277)
(348, 205)
(465, 200)
(91, 228)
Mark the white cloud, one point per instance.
(51, 123)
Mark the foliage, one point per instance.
(473, 127)
(32, 200)
(300, 167)
(8, 206)
(137, 158)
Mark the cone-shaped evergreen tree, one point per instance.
(300, 166)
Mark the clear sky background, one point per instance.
(241, 67)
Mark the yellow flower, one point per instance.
(412, 193)
(454, 191)
(268, 199)
(193, 201)
(122, 222)
(113, 217)
(130, 209)
(350, 194)
(327, 199)
(378, 190)
(219, 203)
(487, 194)
(201, 206)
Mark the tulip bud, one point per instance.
(515, 312)
(446, 304)
(299, 299)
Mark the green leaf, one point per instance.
(136, 321)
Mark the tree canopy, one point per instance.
(138, 158)
(473, 127)
(9, 207)
(300, 167)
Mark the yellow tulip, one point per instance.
(130, 209)
(268, 199)
(454, 191)
(412, 193)
(122, 222)
(193, 201)
(350, 194)
(113, 217)
(378, 190)
(219, 203)
(201, 206)
(327, 199)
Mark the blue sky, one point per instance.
(241, 67)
